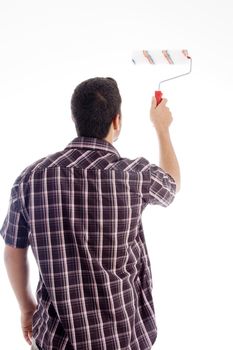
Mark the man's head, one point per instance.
(96, 108)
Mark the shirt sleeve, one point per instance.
(15, 228)
(162, 187)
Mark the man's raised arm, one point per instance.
(161, 118)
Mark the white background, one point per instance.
(46, 49)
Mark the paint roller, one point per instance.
(155, 57)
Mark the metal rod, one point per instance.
(181, 75)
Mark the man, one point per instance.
(80, 210)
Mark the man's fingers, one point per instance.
(28, 337)
(164, 101)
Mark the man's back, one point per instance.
(80, 210)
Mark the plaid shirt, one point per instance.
(80, 210)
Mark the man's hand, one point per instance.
(160, 115)
(26, 323)
(17, 267)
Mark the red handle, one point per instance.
(158, 96)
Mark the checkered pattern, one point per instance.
(80, 210)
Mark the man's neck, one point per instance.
(109, 138)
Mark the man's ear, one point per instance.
(117, 122)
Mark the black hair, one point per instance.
(94, 104)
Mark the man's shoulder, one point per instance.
(137, 165)
(38, 165)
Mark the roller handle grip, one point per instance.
(158, 96)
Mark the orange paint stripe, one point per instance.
(148, 56)
(167, 56)
(185, 52)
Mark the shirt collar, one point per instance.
(92, 143)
